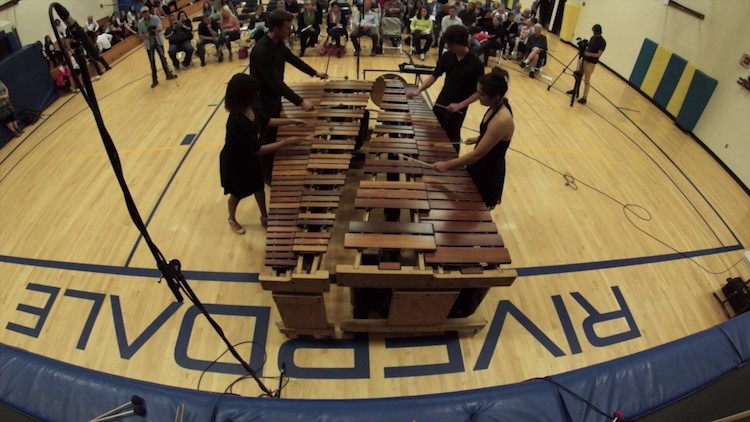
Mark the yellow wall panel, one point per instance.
(678, 97)
(656, 71)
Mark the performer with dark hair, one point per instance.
(594, 50)
(267, 61)
(239, 163)
(486, 162)
(462, 71)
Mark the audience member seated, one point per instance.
(114, 29)
(132, 17)
(64, 78)
(448, 20)
(412, 8)
(91, 26)
(61, 29)
(122, 20)
(157, 9)
(257, 24)
(230, 5)
(209, 32)
(336, 23)
(292, 7)
(309, 27)
(208, 9)
(53, 55)
(103, 42)
(537, 47)
(179, 33)
(170, 7)
(468, 16)
(367, 26)
(495, 41)
(421, 29)
(511, 32)
(7, 112)
(524, 30)
(230, 26)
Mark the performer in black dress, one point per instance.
(239, 162)
(486, 163)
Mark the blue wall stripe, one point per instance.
(188, 139)
(253, 277)
(696, 100)
(669, 80)
(648, 49)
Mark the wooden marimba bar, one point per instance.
(427, 243)
(307, 181)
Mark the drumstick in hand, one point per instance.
(446, 107)
(415, 160)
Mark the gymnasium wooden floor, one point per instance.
(597, 282)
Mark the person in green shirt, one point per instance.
(309, 27)
(421, 29)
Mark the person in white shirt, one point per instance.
(104, 42)
(91, 25)
(368, 26)
(61, 29)
(448, 20)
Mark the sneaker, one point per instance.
(523, 64)
(97, 77)
(421, 56)
(582, 101)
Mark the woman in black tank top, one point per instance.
(486, 163)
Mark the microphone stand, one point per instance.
(171, 271)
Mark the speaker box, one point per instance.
(737, 294)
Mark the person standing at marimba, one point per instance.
(462, 72)
(239, 162)
(267, 61)
(486, 163)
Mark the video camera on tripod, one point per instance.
(582, 44)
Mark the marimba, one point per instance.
(426, 248)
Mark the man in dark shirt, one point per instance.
(179, 35)
(537, 46)
(267, 61)
(462, 71)
(594, 50)
(468, 15)
(209, 32)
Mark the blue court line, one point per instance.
(253, 277)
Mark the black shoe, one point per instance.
(373, 52)
(171, 76)
(522, 64)
(203, 63)
(582, 101)
(221, 58)
(20, 130)
(17, 134)
(571, 92)
(154, 83)
(302, 53)
(531, 74)
(356, 52)
(338, 54)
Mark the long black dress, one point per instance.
(488, 173)
(239, 163)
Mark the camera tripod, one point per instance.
(577, 74)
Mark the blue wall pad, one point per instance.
(27, 76)
(640, 383)
(700, 91)
(648, 49)
(669, 81)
